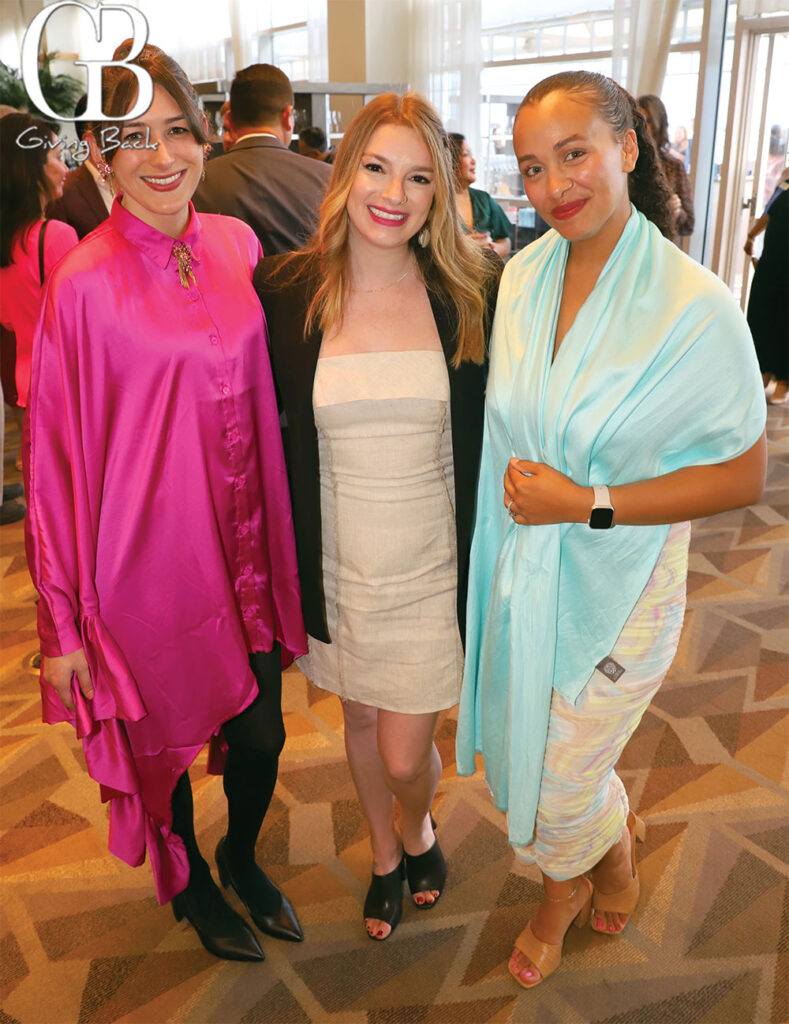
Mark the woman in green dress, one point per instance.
(484, 219)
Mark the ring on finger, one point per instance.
(510, 503)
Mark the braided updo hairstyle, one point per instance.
(647, 186)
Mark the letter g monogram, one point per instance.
(93, 112)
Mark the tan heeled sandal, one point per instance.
(547, 956)
(624, 901)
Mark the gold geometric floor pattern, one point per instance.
(84, 940)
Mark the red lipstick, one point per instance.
(567, 210)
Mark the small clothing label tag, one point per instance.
(610, 669)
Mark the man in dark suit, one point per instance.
(261, 181)
(86, 199)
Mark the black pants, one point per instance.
(255, 739)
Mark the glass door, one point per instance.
(766, 151)
(756, 143)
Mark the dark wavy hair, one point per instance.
(314, 138)
(119, 91)
(657, 118)
(456, 140)
(24, 189)
(649, 192)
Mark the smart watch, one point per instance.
(602, 515)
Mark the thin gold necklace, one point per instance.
(383, 287)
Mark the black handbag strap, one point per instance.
(41, 253)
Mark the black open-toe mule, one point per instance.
(426, 872)
(384, 900)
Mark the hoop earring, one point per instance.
(424, 237)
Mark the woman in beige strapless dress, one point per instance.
(378, 336)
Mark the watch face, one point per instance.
(601, 518)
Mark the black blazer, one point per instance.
(294, 361)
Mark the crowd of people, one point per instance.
(486, 502)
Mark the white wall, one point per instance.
(386, 32)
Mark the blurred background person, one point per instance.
(228, 131)
(776, 158)
(261, 181)
(681, 201)
(768, 303)
(681, 146)
(482, 216)
(314, 144)
(498, 139)
(86, 200)
(31, 175)
(214, 146)
(11, 511)
(223, 135)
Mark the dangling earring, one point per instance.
(206, 151)
(106, 175)
(424, 237)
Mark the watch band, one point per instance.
(601, 516)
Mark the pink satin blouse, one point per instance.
(159, 527)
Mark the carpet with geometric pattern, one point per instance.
(84, 940)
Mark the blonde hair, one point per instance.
(450, 263)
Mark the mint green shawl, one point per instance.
(656, 373)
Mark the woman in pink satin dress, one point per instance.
(159, 533)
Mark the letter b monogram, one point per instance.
(93, 111)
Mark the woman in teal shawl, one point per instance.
(623, 400)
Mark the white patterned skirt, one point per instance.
(583, 804)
